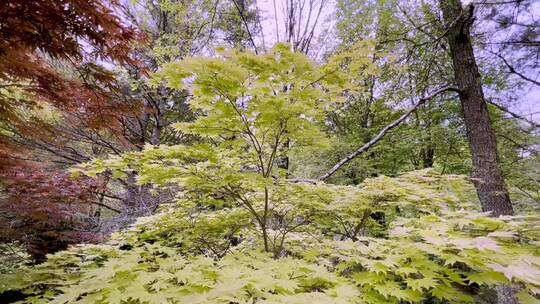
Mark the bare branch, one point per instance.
(240, 10)
(107, 207)
(302, 181)
(383, 132)
(513, 114)
(512, 70)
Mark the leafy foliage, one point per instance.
(441, 252)
(30, 34)
(43, 210)
(413, 238)
(13, 257)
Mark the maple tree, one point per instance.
(49, 60)
(437, 248)
(46, 210)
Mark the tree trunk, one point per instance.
(487, 174)
(428, 155)
(506, 295)
(427, 152)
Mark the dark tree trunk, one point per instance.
(428, 155)
(487, 174)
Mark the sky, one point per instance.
(530, 104)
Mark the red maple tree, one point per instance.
(40, 203)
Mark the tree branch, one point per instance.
(512, 70)
(505, 109)
(107, 207)
(385, 130)
(240, 11)
(302, 181)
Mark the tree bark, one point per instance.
(487, 174)
(428, 154)
(506, 295)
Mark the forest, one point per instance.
(270, 151)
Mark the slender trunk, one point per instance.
(264, 221)
(283, 161)
(156, 131)
(427, 152)
(487, 174)
(368, 103)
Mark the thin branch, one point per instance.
(506, 110)
(240, 11)
(107, 207)
(302, 181)
(276, 20)
(512, 70)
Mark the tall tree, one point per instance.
(487, 174)
(435, 135)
